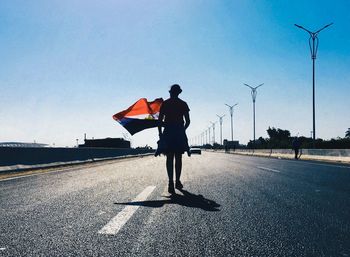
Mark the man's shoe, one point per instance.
(178, 185)
(171, 189)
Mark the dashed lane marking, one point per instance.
(115, 224)
(268, 169)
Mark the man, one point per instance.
(296, 146)
(173, 139)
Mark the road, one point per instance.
(231, 205)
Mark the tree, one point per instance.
(278, 134)
(278, 138)
(347, 133)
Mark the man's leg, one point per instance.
(170, 170)
(178, 168)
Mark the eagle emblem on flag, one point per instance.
(139, 116)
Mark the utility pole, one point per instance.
(231, 114)
(254, 93)
(220, 120)
(313, 44)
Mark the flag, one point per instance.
(139, 116)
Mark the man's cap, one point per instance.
(176, 89)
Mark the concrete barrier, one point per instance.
(337, 155)
(26, 156)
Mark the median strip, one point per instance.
(115, 224)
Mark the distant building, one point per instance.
(231, 144)
(106, 143)
(21, 144)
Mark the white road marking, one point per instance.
(268, 169)
(12, 178)
(32, 175)
(101, 213)
(115, 224)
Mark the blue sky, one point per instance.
(67, 66)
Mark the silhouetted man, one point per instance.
(173, 139)
(296, 146)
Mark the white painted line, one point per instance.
(115, 224)
(59, 169)
(25, 176)
(36, 174)
(268, 169)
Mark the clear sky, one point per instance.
(68, 65)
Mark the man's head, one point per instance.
(175, 90)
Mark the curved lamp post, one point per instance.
(313, 44)
(254, 93)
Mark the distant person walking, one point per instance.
(173, 140)
(296, 146)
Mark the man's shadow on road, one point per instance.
(186, 199)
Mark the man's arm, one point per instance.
(160, 121)
(187, 119)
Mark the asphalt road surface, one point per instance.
(231, 205)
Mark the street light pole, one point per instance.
(220, 119)
(254, 93)
(231, 114)
(213, 123)
(313, 49)
(209, 135)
